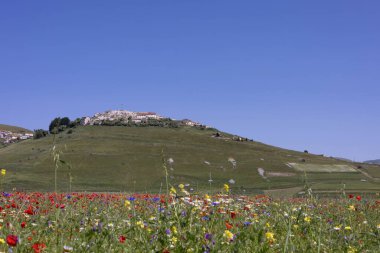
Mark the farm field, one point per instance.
(179, 222)
(129, 159)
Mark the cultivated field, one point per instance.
(326, 168)
(101, 158)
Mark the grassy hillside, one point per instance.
(377, 161)
(130, 159)
(14, 129)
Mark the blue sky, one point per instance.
(295, 74)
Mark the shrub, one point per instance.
(40, 133)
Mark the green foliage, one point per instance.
(40, 133)
(65, 121)
(58, 125)
(166, 123)
(54, 124)
(75, 123)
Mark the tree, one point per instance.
(60, 124)
(65, 121)
(39, 133)
(54, 124)
(75, 123)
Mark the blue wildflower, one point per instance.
(247, 223)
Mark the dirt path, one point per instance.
(375, 179)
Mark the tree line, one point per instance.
(56, 126)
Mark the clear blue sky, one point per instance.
(296, 74)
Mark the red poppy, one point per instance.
(228, 225)
(23, 224)
(233, 215)
(358, 197)
(12, 240)
(122, 238)
(350, 196)
(38, 247)
(29, 211)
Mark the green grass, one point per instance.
(14, 129)
(373, 170)
(129, 159)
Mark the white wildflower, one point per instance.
(232, 161)
(261, 172)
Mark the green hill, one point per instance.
(121, 158)
(14, 129)
(377, 161)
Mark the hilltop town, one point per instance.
(119, 115)
(7, 137)
(124, 117)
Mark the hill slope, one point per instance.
(373, 161)
(14, 129)
(130, 158)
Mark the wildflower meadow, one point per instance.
(180, 222)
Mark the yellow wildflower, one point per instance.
(173, 191)
(227, 234)
(127, 203)
(3, 172)
(181, 186)
(351, 208)
(174, 230)
(226, 187)
(2, 241)
(307, 219)
(347, 228)
(174, 240)
(140, 224)
(351, 249)
(269, 236)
